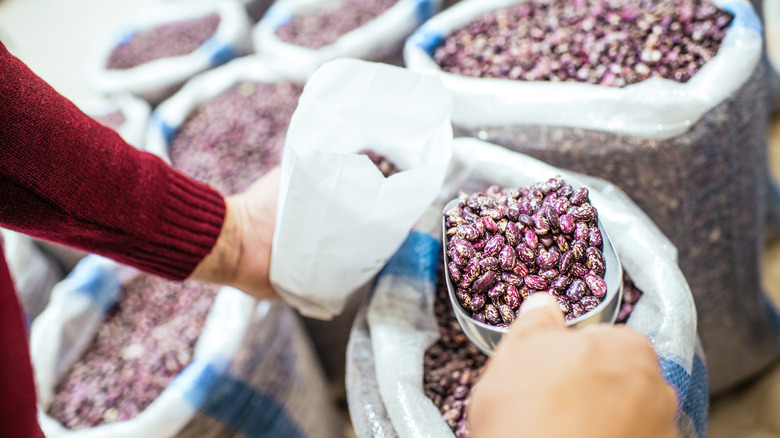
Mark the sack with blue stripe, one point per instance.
(159, 78)
(691, 155)
(253, 372)
(380, 39)
(388, 343)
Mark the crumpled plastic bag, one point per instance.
(339, 219)
(401, 324)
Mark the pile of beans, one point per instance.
(607, 42)
(171, 39)
(506, 244)
(147, 339)
(453, 364)
(236, 137)
(321, 27)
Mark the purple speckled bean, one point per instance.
(512, 297)
(535, 282)
(520, 269)
(511, 279)
(489, 264)
(576, 290)
(484, 282)
(468, 232)
(494, 245)
(507, 258)
(566, 223)
(594, 237)
(454, 272)
(596, 284)
(595, 261)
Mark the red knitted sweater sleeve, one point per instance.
(66, 178)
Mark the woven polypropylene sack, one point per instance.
(381, 39)
(388, 358)
(159, 78)
(33, 270)
(692, 156)
(253, 373)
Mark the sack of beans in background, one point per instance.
(34, 271)
(663, 99)
(156, 50)
(307, 33)
(122, 353)
(226, 127)
(392, 370)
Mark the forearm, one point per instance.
(68, 179)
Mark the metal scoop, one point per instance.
(486, 336)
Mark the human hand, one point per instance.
(241, 257)
(547, 381)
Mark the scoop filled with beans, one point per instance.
(504, 245)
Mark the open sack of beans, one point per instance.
(226, 127)
(163, 45)
(365, 155)
(665, 99)
(124, 354)
(307, 33)
(411, 368)
(33, 270)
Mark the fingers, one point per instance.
(539, 312)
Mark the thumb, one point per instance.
(539, 312)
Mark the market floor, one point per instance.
(54, 38)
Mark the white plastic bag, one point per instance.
(691, 155)
(158, 79)
(33, 271)
(339, 219)
(400, 315)
(253, 372)
(378, 39)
